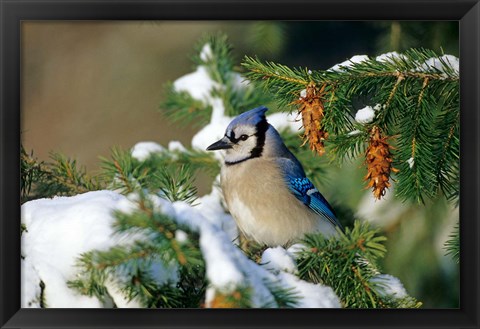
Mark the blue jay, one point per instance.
(265, 187)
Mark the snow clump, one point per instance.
(142, 150)
(365, 115)
(348, 63)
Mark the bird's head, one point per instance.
(244, 137)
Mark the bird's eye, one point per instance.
(244, 137)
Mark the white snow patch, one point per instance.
(176, 146)
(348, 63)
(365, 115)
(278, 259)
(411, 162)
(389, 286)
(210, 296)
(181, 236)
(296, 249)
(198, 84)
(206, 54)
(377, 107)
(435, 63)
(303, 93)
(142, 150)
(210, 206)
(59, 230)
(218, 111)
(213, 131)
(158, 203)
(312, 295)
(216, 246)
(354, 132)
(209, 134)
(223, 270)
(121, 301)
(389, 57)
(30, 285)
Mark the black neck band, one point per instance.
(231, 163)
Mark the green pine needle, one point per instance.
(452, 246)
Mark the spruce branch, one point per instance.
(192, 159)
(170, 173)
(347, 146)
(347, 264)
(281, 81)
(287, 82)
(447, 151)
(417, 94)
(59, 177)
(282, 297)
(163, 231)
(125, 172)
(180, 107)
(176, 183)
(214, 54)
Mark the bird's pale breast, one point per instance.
(262, 205)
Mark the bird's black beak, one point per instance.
(222, 144)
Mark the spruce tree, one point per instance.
(411, 138)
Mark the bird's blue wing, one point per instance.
(306, 192)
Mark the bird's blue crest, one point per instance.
(252, 117)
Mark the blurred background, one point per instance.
(90, 86)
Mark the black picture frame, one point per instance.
(13, 12)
